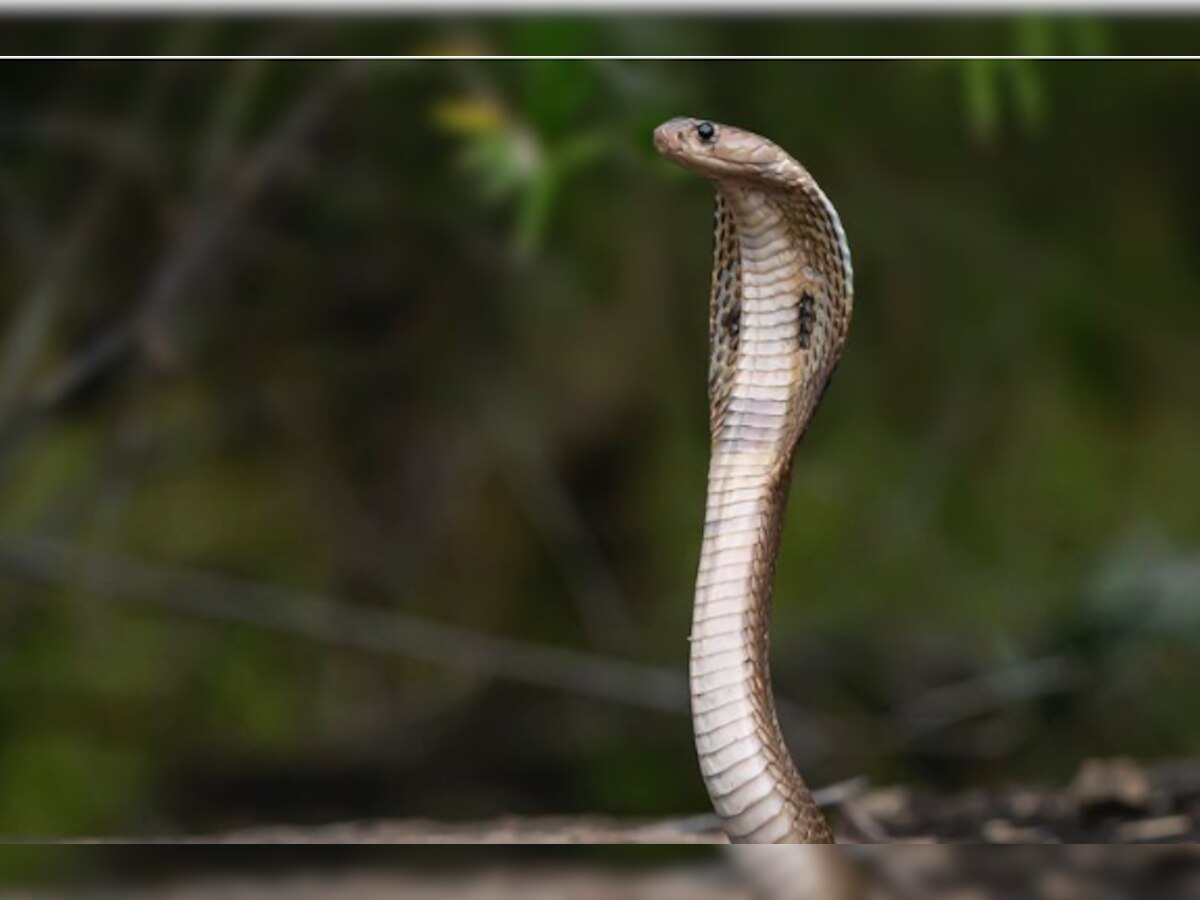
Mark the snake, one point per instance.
(779, 310)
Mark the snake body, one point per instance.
(780, 308)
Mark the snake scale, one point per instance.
(779, 312)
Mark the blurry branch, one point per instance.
(18, 222)
(195, 249)
(985, 693)
(125, 147)
(228, 599)
(228, 118)
(36, 312)
(866, 824)
(1140, 588)
(117, 471)
(59, 258)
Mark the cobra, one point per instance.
(779, 311)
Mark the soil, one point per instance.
(910, 843)
(1110, 801)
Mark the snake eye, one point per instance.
(706, 130)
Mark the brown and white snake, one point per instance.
(778, 316)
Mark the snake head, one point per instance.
(724, 153)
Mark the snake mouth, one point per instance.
(670, 138)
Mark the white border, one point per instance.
(601, 7)
(615, 58)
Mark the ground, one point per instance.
(933, 849)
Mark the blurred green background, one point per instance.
(353, 431)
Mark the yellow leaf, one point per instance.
(468, 115)
(456, 45)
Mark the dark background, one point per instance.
(353, 431)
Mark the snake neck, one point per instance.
(769, 374)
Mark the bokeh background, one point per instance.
(353, 432)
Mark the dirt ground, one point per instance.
(1134, 832)
(1110, 801)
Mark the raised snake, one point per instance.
(779, 311)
